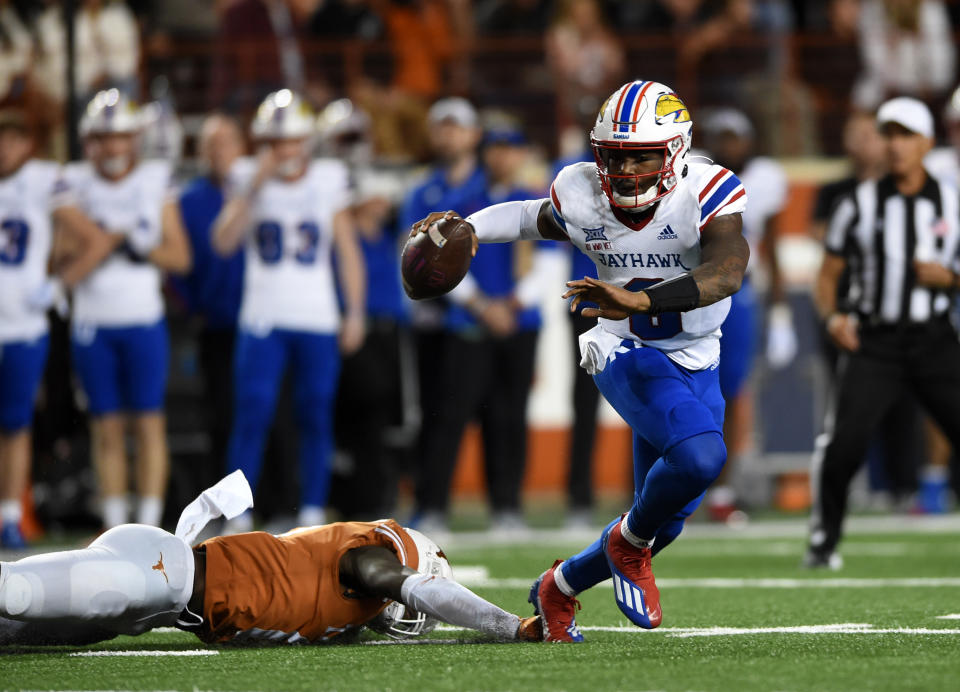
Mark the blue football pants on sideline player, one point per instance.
(122, 369)
(677, 417)
(21, 368)
(738, 341)
(259, 366)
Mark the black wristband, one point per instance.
(676, 295)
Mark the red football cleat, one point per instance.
(556, 608)
(633, 584)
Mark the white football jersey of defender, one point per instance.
(766, 183)
(288, 279)
(666, 246)
(122, 291)
(26, 201)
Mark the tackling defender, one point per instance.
(309, 585)
(665, 234)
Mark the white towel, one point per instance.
(596, 345)
(230, 497)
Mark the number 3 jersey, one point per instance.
(26, 202)
(636, 256)
(288, 279)
(124, 290)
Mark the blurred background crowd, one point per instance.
(436, 104)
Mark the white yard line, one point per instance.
(478, 577)
(687, 632)
(951, 616)
(189, 652)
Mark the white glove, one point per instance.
(781, 337)
(49, 294)
(144, 237)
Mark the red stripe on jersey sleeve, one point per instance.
(716, 179)
(555, 199)
(726, 204)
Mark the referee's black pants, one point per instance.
(891, 363)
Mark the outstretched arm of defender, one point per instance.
(531, 219)
(376, 571)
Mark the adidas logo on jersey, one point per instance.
(667, 234)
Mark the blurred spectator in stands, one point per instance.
(585, 56)
(257, 52)
(499, 18)
(345, 19)
(16, 49)
(214, 286)
(423, 39)
(907, 48)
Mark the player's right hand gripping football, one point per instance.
(423, 225)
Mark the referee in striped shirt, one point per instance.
(899, 235)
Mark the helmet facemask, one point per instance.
(637, 192)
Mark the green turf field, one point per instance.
(738, 615)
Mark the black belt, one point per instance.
(938, 323)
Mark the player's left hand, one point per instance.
(353, 331)
(613, 302)
(933, 275)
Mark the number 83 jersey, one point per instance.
(638, 255)
(288, 278)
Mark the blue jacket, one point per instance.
(214, 287)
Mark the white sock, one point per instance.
(632, 538)
(150, 511)
(10, 512)
(115, 510)
(457, 605)
(311, 515)
(562, 582)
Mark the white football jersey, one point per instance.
(122, 291)
(666, 246)
(766, 183)
(26, 201)
(288, 279)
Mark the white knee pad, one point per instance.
(129, 580)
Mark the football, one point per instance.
(434, 262)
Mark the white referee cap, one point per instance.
(907, 112)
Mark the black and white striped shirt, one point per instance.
(880, 232)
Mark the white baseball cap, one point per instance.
(907, 112)
(455, 109)
(728, 120)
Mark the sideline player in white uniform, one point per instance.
(29, 208)
(120, 348)
(311, 584)
(730, 141)
(666, 237)
(290, 211)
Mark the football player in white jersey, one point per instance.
(291, 212)
(119, 336)
(666, 236)
(31, 204)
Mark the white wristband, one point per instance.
(509, 221)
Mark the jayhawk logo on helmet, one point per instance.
(670, 108)
(641, 116)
